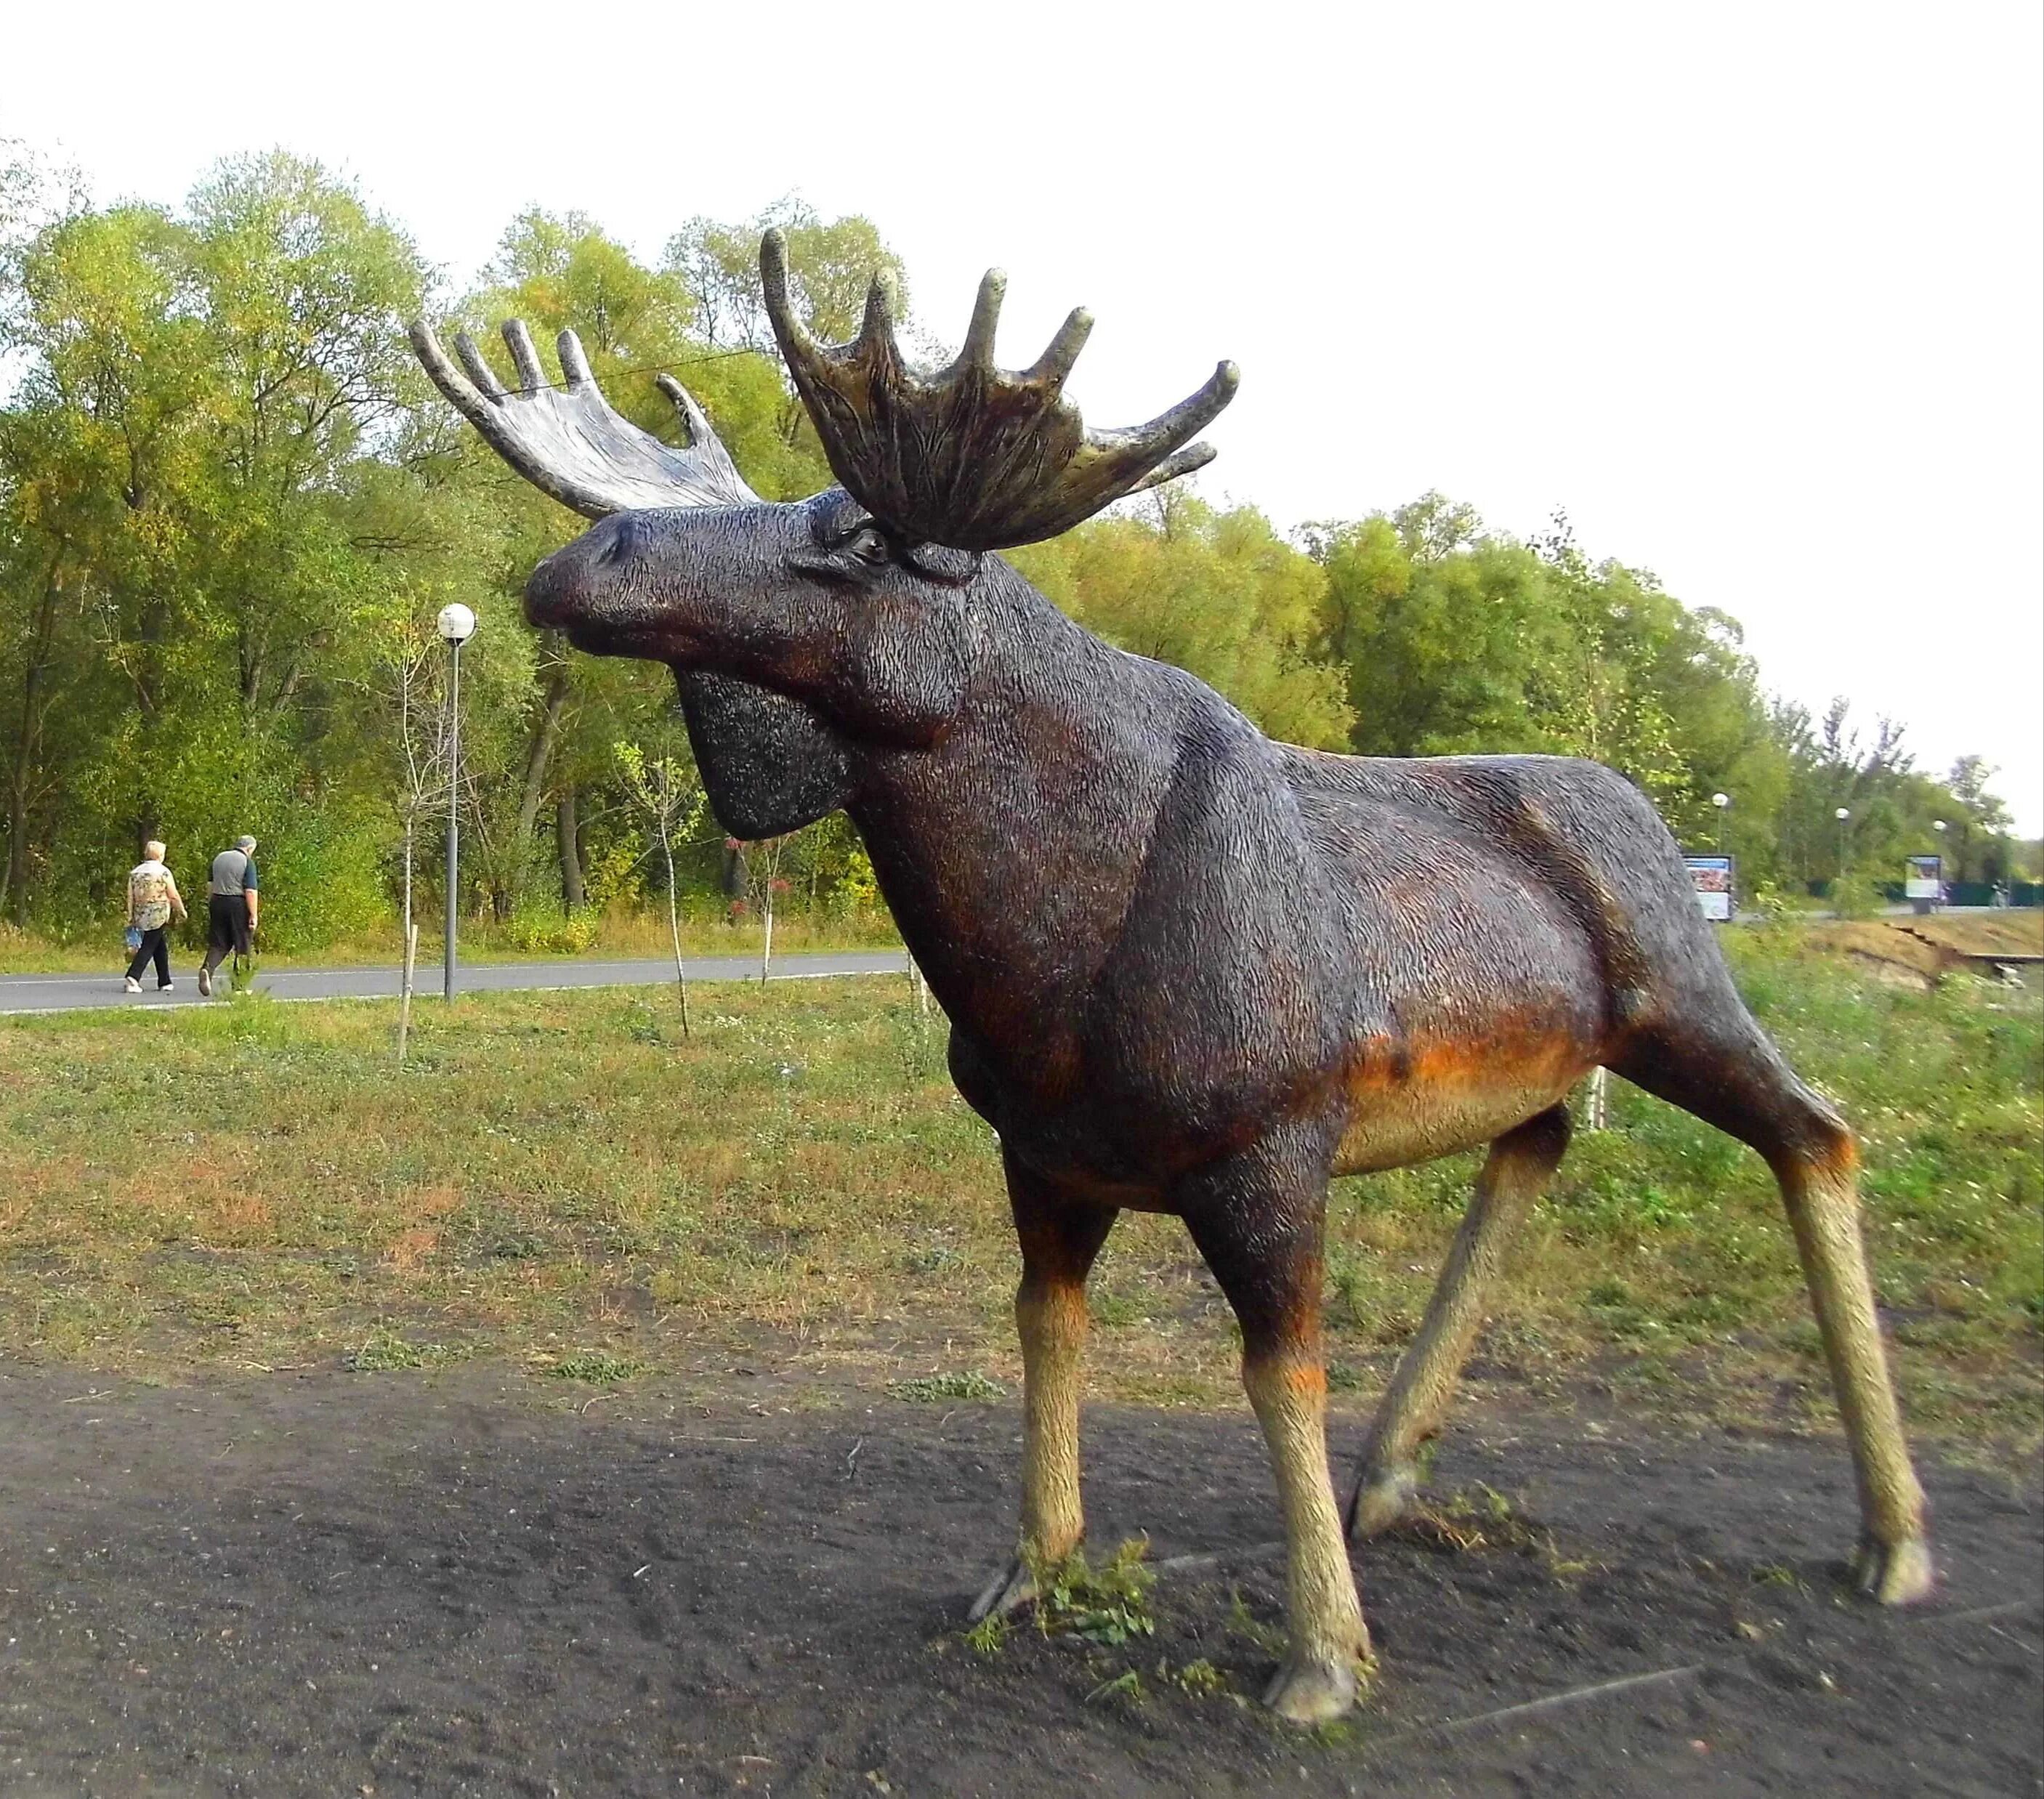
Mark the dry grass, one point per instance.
(559, 1178)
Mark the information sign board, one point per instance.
(1713, 877)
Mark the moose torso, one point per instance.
(1155, 931)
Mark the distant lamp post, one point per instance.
(1722, 802)
(1841, 815)
(457, 625)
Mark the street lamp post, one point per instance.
(457, 625)
(1841, 815)
(1722, 802)
(1938, 825)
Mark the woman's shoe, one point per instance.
(205, 982)
(134, 986)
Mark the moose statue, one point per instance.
(1188, 970)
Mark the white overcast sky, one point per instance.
(1755, 291)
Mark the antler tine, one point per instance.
(796, 343)
(1055, 363)
(1168, 430)
(1183, 461)
(977, 352)
(525, 358)
(883, 301)
(574, 365)
(699, 428)
(445, 376)
(479, 371)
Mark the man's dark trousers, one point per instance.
(226, 928)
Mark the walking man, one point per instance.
(153, 899)
(231, 909)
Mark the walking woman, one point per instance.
(153, 901)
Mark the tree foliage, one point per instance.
(230, 505)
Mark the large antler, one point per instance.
(567, 442)
(973, 456)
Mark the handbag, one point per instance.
(133, 939)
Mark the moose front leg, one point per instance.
(1257, 1220)
(1520, 1164)
(1059, 1241)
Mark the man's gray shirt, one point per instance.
(233, 874)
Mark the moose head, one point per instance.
(853, 607)
(1187, 969)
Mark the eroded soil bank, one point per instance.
(461, 1583)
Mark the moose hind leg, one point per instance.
(1820, 1190)
(1519, 1166)
(1059, 1241)
(1257, 1222)
(1746, 1089)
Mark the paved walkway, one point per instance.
(78, 992)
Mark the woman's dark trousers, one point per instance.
(153, 945)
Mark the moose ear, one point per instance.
(940, 563)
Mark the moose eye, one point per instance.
(867, 544)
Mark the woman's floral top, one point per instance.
(150, 887)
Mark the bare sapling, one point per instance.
(760, 864)
(674, 804)
(404, 984)
(404, 677)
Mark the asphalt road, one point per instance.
(77, 992)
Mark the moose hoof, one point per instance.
(1386, 1497)
(1894, 1573)
(1009, 1590)
(1310, 1690)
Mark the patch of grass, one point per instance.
(384, 1350)
(1127, 1684)
(1106, 1605)
(927, 1389)
(989, 1636)
(1475, 1521)
(1198, 1680)
(1778, 1574)
(262, 1183)
(598, 1366)
(1268, 1638)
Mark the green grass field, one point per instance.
(561, 1179)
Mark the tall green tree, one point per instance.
(1219, 593)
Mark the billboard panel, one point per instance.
(1712, 875)
(1925, 878)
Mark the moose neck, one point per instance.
(1011, 849)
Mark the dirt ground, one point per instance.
(1931, 948)
(468, 1582)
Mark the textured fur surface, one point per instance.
(1192, 971)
